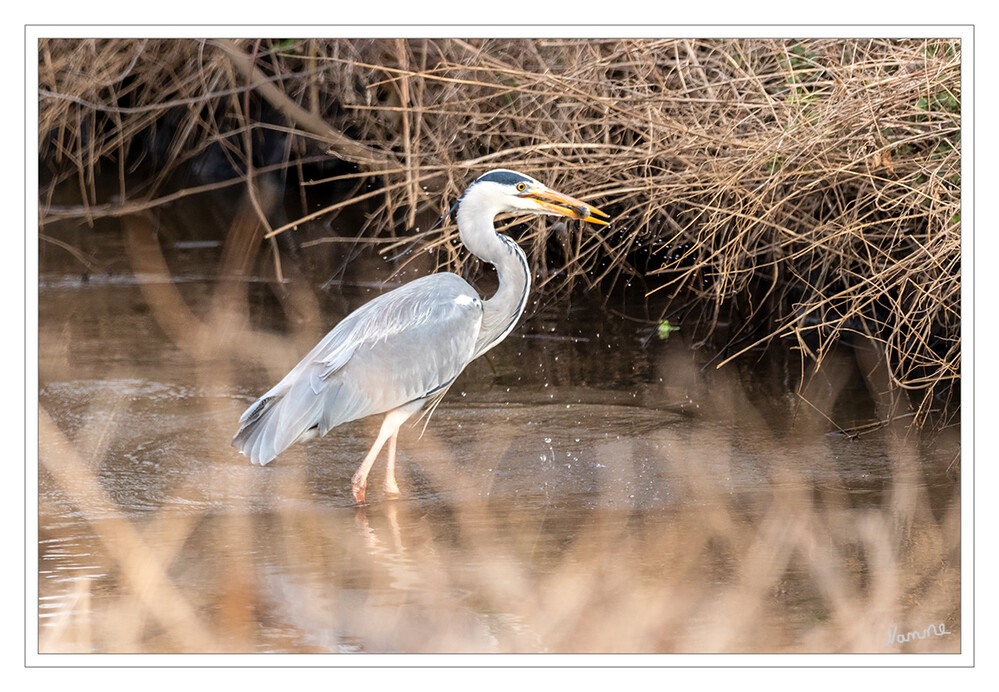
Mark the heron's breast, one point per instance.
(466, 300)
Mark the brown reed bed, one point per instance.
(793, 192)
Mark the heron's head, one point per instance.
(508, 191)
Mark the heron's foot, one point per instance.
(357, 486)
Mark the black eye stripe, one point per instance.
(503, 177)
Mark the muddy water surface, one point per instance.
(583, 489)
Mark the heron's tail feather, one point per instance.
(285, 415)
(271, 425)
(257, 431)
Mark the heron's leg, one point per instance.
(390, 485)
(360, 479)
(389, 430)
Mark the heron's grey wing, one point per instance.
(402, 346)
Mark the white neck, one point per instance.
(501, 312)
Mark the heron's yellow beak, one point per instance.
(564, 205)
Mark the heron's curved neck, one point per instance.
(501, 312)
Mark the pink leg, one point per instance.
(360, 479)
(389, 431)
(390, 485)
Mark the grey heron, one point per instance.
(402, 350)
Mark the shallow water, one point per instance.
(582, 489)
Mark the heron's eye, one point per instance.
(521, 187)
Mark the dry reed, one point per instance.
(806, 191)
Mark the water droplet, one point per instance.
(548, 440)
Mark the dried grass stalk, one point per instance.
(808, 190)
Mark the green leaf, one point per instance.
(665, 329)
